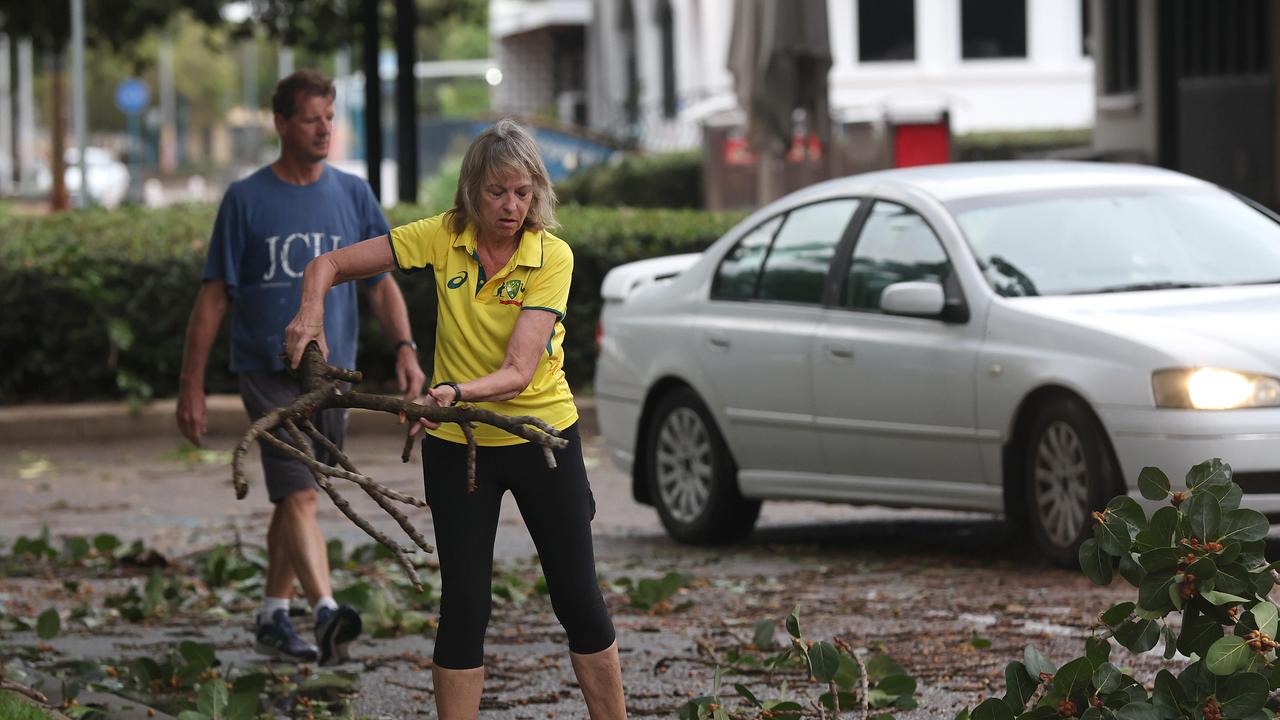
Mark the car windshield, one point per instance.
(1119, 240)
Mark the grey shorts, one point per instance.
(263, 391)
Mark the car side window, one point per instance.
(797, 263)
(895, 245)
(739, 271)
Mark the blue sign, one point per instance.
(132, 96)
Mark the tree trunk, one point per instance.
(59, 200)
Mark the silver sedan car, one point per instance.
(1021, 338)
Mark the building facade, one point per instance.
(655, 71)
(1191, 85)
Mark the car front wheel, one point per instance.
(1069, 472)
(692, 477)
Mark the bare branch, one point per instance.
(324, 385)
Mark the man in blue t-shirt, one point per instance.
(269, 226)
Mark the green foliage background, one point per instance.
(96, 303)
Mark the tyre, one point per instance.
(1068, 472)
(691, 475)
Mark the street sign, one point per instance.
(132, 96)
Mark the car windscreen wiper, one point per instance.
(1136, 287)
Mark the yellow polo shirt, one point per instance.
(477, 315)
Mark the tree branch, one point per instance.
(325, 391)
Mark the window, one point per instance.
(886, 30)
(895, 245)
(993, 29)
(1120, 47)
(1223, 38)
(740, 270)
(796, 266)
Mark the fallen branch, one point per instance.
(324, 391)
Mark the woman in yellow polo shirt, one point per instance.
(502, 282)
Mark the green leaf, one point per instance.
(1153, 483)
(1204, 569)
(1073, 678)
(1209, 473)
(1233, 579)
(1227, 655)
(849, 674)
(1242, 694)
(1154, 592)
(1244, 525)
(1036, 663)
(1163, 526)
(1170, 642)
(1229, 498)
(1131, 571)
(1113, 536)
(197, 655)
(1095, 564)
(1097, 650)
(979, 642)
(824, 661)
(1139, 636)
(1198, 634)
(897, 685)
(1021, 686)
(881, 666)
(793, 623)
(48, 625)
(1117, 613)
(848, 701)
(1169, 696)
(1137, 711)
(1160, 559)
(763, 639)
(992, 709)
(1214, 597)
(1202, 516)
(1265, 615)
(192, 715)
(746, 693)
(1128, 509)
(212, 700)
(1106, 678)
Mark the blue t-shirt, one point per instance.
(266, 232)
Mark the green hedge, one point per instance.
(96, 303)
(668, 180)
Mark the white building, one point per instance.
(656, 69)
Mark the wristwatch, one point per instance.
(412, 345)
(457, 391)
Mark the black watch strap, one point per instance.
(457, 391)
(412, 345)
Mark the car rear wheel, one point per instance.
(1069, 472)
(692, 477)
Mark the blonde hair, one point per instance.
(504, 148)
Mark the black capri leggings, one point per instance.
(557, 507)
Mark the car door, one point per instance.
(757, 332)
(894, 395)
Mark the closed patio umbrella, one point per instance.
(779, 54)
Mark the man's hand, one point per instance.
(306, 326)
(409, 373)
(193, 415)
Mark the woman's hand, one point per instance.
(306, 326)
(436, 397)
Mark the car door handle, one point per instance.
(718, 341)
(839, 352)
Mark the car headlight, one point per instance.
(1214, 389)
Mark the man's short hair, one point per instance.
(312, 83)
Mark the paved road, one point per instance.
(920, 584)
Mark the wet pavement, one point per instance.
(931, 588)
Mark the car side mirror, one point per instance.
(914, 299)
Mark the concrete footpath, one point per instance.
(105, 421)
